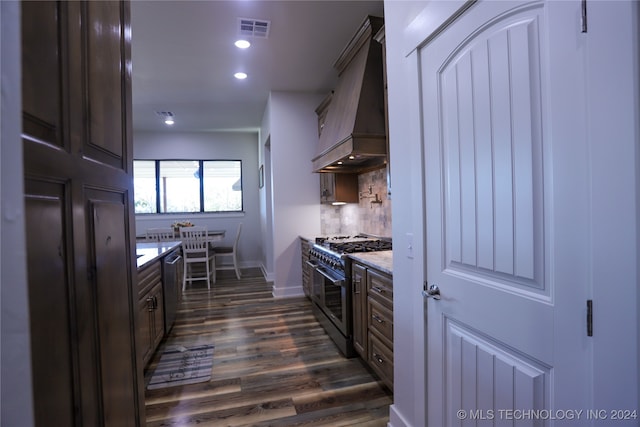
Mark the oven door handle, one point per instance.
(311, 264)
(333, 280)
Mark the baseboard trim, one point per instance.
(288, 292)
(267, 276)
(396, 419)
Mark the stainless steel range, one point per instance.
(331, 283)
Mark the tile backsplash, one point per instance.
(365, 216)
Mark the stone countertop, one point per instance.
(148, 252)
(380, 260)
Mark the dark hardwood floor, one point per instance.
(273, 364)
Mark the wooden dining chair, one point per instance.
(228, 251)
(163, 234)
(199, 262)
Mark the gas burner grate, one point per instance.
(361, 246)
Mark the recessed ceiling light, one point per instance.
(240, 76)
(242, 44)
(169, 121)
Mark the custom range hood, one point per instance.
(353, 138)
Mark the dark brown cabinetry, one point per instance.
(305, 245)
(335, 188)
(373, 319)
(79, 214)
(359, 300)
(338, 187)
(150, 309)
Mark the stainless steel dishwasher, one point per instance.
(171, 286)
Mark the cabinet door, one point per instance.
(338, 187)
(380, 359)
(306, 270)
(157, 315)
(79, 215)
(380, 322)
(380, 287)
(327, 188)
(360, 324)
(145, 330)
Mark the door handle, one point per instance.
(432, 292)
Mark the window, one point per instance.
(187, 186)
(144, 186)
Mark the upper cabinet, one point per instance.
(335, 188)
(338, 188)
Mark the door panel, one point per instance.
(491, 155)
(495, 172)
(479, 364)
(50, 302)
(43, 49)
(114, 306)
(106, 73)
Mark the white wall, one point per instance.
(211, 145)
(406, 176)
(291, 129)
(16, 404)
(266, 199)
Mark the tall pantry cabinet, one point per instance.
(76, 98)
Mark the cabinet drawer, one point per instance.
(381, 322)
(381, 360)
(148, 278)
(380, 287)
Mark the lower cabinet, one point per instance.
(359, 301)
(150, 309)
(305, 246)
(373, 319)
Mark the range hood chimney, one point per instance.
(353, 139)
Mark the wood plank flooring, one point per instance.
(273, 364)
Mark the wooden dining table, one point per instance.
(215, 235)
(212, 236)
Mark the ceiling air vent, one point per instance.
(166, 116)
(254, 27)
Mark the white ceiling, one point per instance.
(183, 57)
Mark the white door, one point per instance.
(502, 94)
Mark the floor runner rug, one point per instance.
(182, 365)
